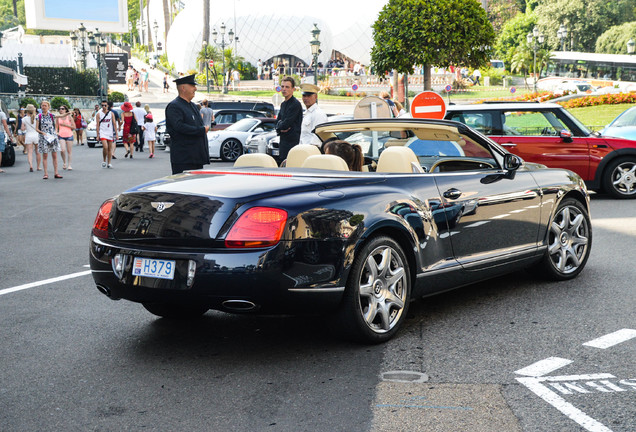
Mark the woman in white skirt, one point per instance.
(31, 136)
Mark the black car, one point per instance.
(442, 207)
(266, 109)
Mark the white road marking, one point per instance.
(476, 224)
(543, 367)
(587, 422)
(609, 340)
(44, 282)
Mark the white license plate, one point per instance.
(155, 268)
(274, 152)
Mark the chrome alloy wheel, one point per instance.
(623, 178)
(231, 150)
(383, 289)
(568, 239)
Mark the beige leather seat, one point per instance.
(255, 160)
(299, 153)
(398, 160)
(327, 162)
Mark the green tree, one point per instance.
(431, 33)
(614, 40)
(502, 11)
(586, 20)
(513, 34)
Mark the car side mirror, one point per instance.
(566, 136)
(512, 162)
(259, 130)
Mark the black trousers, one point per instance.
(140, 140)
(179, 168)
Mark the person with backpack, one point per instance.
(47, 142)
(3, 137)
(106, 133)
(130, 130)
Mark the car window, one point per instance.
(242, 115)
(628, 118)
(267, 126)
(224, 118)
(481, 121)
(531, 123)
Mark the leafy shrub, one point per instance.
(116, 97)
(606, 99)
(58, 101)
(29, 100)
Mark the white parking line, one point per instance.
(587, 422)
(543, 367)
(609, 340)
(43, 282)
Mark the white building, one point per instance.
(280, 28)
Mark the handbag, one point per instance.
(84, 124)
(8, 156)
(134, 126)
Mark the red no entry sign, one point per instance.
(428, 105)
(211, 63)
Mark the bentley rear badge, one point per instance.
(161, 206)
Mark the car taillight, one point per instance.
(257, 227)
(100, 226)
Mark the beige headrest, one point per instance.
(299, 153)
(255, 160)
(397, 160)
(328, 162)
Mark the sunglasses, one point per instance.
(104, 105)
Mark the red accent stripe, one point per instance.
(267, 174)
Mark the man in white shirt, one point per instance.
(313, 116)
(139, 113)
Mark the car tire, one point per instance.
(569, 242)
(230, 150)
(175, 311)
(619, 179)
(90, 144)
(377, 294)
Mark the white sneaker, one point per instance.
(103, 164)
(110, 166)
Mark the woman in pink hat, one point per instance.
(128, 137)
(150, 129)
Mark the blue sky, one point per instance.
(94, 10)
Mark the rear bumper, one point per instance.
(276, 280)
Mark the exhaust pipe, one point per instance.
(239, 305)
(104, 290)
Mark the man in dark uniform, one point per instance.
(290, 119)
(189, 143)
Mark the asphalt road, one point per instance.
(74, 360)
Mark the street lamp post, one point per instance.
(222, 44)
(78, 39)
(207, 68)
(532, 39)
(562, 34)
(97, 46)
(315, 50)
(155, 27)
(130, 27)
(630, 46)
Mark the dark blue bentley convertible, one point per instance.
(437, 206)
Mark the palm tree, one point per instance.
(522, 62)
(166, 17)
(206, 21)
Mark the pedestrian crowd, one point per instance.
(42, 131)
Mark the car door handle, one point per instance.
(452, 194)
(508, 144)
